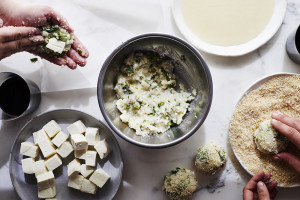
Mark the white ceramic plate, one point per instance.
(25, 184)
(254, 86)
(237, 50)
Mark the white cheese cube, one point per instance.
(79, 153)
(47, 148)
(29, 149)
(90, 158)
(52, 128)
(47, 193)
(79, 142)
(45, 180)
(28, 165)
(99, 177)
(76, 128)
(88, 187)
(102, 148)
(56, 45)
(75, 181)
(86, 170)
(59, 138)
(74, 167)
(53, 162)
(39, 167)
(39, 136)
(65, 149)
(92, 136)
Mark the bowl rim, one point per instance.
(100, 96)
(67, 110)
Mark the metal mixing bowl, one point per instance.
(190, 70)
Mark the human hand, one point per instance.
(290, 127)
(259, 187)
(16, 39)
(39, 16)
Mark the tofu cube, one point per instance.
(76, 128)
(102, 148)
(39, 167)
(86, 170)
(39, 136)
(29, 149)
(88, 187)
(56, 45)
(60, 138)
(99, 177)
(90, 158)
(52, 128)
(53, 162)
(47, 193)
(45, 180)
(79, 142)
(92, 136)
(47, 148)
(79, 153)
(65, 149)
(75, 181)
(28, 165)
(74, 167)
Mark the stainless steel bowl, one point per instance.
(190, 70)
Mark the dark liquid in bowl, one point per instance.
(297, 39)
(14, 96)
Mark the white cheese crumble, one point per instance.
(147, 100)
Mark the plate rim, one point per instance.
(253, 86)
(263, 37)
(66, 110)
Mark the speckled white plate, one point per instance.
(236, 50)
(254, 86)
(25, 184)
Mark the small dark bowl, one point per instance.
(190, 70)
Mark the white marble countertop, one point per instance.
(144, 169)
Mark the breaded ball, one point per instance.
(210, 158)
(268, 139)
(179, 184)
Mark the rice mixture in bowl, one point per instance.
(147, 98)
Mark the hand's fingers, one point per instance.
(76, 57)
(262, 191)
(1, 23)
(20, 44)
(290, 121)
(273, 193)
(251, 185)
(248, 192)
(57, 60)
(289, 159)
(9, 53)
(267, 177)
(292, 134)
(79, 47)
(14, 33)
(272, 185)
(55, 18)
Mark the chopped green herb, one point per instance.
(167, 75)
(161, 104)
(79, 50)
(34, 60)
(126, 90)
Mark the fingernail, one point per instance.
(277, 158)
(276, 114)
(260, 185)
